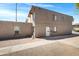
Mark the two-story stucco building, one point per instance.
(49, 23)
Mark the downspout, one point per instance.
(33, 17)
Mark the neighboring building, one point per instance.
(49, 23)
(76, 27)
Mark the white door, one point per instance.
(47, 31)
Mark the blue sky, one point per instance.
(8, 10)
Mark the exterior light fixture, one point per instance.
(16, 27)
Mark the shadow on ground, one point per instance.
(60, 37)
(47, 38)
(13, 38)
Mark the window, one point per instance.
(55, 29)
(55, 17)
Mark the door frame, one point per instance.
(47, 31)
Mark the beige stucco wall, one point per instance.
(7, 29)
(45, 18)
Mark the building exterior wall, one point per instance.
(44, 18)
(7, 29)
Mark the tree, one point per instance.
(77, 8)
(77, 5)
